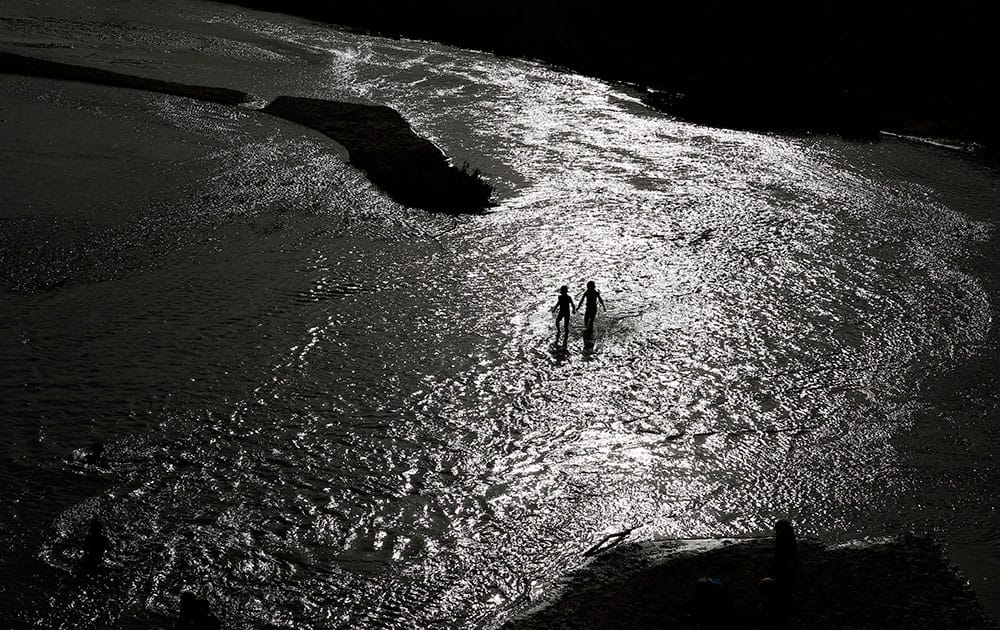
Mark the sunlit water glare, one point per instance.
(324, 409)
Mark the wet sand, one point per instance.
(244, 363)
(378, 139)
(906, 582)
(29, 66)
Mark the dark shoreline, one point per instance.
(11, 63)
(895, 584)
(852, 70)
(379, 141)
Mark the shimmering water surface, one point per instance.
(324, 409)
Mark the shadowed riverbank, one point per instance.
(902, 583)
(381, 143)
(411, 169)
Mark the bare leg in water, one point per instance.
(593, 297)
(565, 320)
(564, 306)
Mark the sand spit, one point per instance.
(29, 66)
(901, 583)
(380, 142)
(411, 169)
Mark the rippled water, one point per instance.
(324, 409)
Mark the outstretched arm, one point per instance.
(580, 303)
(601, 300)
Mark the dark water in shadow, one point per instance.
(323, 409)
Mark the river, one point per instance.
(324, 409)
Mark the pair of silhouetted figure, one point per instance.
(195, 614)
(564, 308)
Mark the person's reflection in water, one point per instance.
(564, 306)
(592, 296)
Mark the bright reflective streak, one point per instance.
(348, 413)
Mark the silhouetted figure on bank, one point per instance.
(711, 605)
(94, 546)
(592, 296)
(786, 556)
(195, 614)
(772, 613)
(564, 304)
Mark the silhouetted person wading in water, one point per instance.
(593, 296)
(564, 304)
